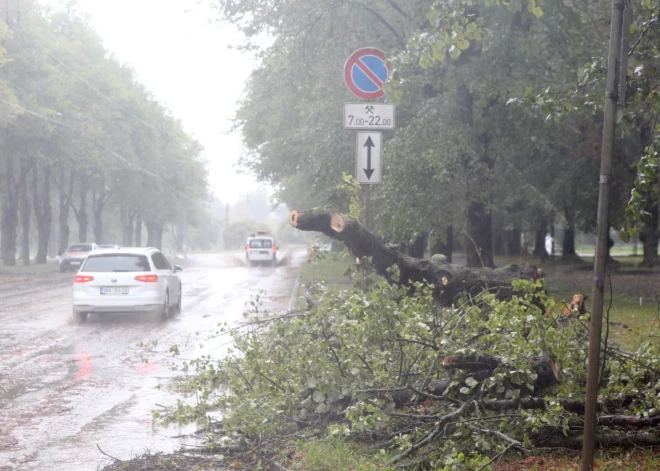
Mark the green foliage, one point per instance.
(237, 232)
(332, 454)
(336, 367)
(351, 186)
(646, 183)
(88, 121)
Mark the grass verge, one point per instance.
(50, 266)
(334, 454)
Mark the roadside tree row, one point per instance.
(85, 147)
(499, 114)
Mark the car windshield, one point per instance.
(107, 246)
(260, 243)
(116, 263)
(80, 248)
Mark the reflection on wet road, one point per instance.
(65, 387)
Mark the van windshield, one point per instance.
(261, 244)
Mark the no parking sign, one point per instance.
(365, 73)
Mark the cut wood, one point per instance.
(448, 280)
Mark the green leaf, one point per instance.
(463, 44)
(318, 396)
(471, 382)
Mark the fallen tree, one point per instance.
(384, 364)
(448, 280)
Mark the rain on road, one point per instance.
(66, 387)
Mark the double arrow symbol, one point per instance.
(369, 170)
(367, 157)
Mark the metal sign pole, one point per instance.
(367, 197)
(611, 92)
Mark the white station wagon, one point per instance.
(126, 280)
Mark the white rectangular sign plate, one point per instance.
(367, 157)
(368, 116)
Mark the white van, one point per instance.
(261, 247)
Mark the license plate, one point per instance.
(114, 290)
(74, 263)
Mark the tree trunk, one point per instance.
(179, 231)
(26, 214)
(138, 232)
(448, 280)
(499, 234)
(649, 236)
(154, 234)
(81, 212)
(66, 195)
(513, 240)
(98, 204)
(568, 243)
(539, 240)
(10, 205)
(417, 247)
(42, 211)
(445, 247)
(610, 262)
(127, 221)
(479, 243)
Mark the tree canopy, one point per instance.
(497, 114)
(78, 124)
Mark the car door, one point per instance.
(166, 273)
(173, 279)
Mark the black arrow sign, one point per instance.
(369, 171)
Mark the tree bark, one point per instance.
(568, 243)
(179, 231)
(444, 247)
(81, 211)
(99, 200)
(513, 241)
(479, 243)
(42, 211)
(138, 232)
(539, 240)
(448, 280)
(649, 236)
(10, 206)
(26, 215)
(556, 439)
(65, 196)
(154, 234)
(417, 247)
(482, 368)
(127, 222)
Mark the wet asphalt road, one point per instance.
(66, 387)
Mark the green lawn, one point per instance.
(51, 266)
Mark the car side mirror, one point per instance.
(178, 268)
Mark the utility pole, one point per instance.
(611, 99)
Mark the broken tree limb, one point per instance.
(547, 370)
(447, 279)
(556, 439)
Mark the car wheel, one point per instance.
(165, 314)
(178, 303)
(79, 317)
